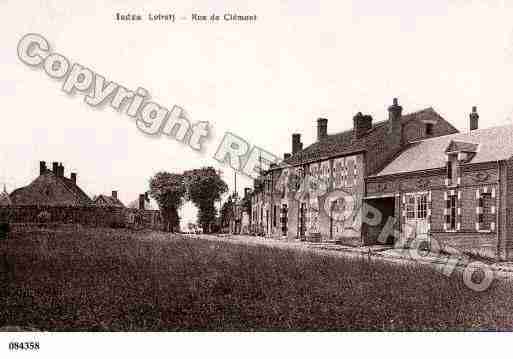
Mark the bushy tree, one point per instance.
(169, 190)
(204, 187)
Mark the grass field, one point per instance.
(115, 280)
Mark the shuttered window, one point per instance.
(486, 217)
(450, 217)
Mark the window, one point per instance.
(429, 129)
(451, 212)
(274, 215)
(452, 168)
(486, 215)
(284, 211)
(422, 206)
(416, 206)
(410, 207)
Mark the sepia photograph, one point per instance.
(204, 177)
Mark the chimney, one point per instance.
(55, 168)
(61, 170)
(42, 167)
(247, 190)
(115, 194)
(73, 177)
(146, 196)
(322, 128)
(141, 201)
(361, 124)
(286, 156)
(474, 119)
(394, 123)
(296, 142)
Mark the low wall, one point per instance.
(94, 216)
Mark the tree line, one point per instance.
(203, 187)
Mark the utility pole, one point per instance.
(260, 170)
(235, 176)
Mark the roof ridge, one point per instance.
(469, 133)
(381, 122)
(491, 144)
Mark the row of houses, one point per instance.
(411, 176)
(52, 189)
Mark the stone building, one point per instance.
(51, 188)
(456, 190)
(336, 166)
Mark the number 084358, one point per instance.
(24, 346)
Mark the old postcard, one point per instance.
(275, 166)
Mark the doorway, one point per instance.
(416, 223)
(371, 231)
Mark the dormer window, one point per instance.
(458, 153)
(429, 127)
(452, 168)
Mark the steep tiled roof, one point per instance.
(77, 191)
(109, 201)
(81, 197)
(345, 143)
(490, 144)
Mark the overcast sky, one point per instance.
(263, 81)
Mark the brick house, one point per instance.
(60, 199)
(455, 189)
(108, 201)
(51, 188)
(141, 213)
(340, 162)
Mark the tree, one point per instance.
(204, 187)
(169, 190)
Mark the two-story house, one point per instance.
(316, 193)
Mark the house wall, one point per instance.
(474, 178)
(95, 216)
(343, 176)
(379, 152)
(142, 218)
(415, 130)
(506, 248)
(319, 226)
(90, 216)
